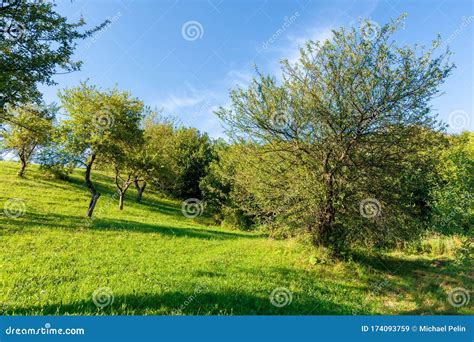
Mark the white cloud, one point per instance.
(174, 102)
(239, 77)
(297, 42)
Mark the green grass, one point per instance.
(153, 260)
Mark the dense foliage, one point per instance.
(36, 43)
(341, 148)
(32, 128)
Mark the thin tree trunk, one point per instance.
(94, 193)
(25, 155)
(122, 195)
(125, 185)
(140, 189)
(21, 173)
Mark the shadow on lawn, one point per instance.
(424, 281)
(191, 303)
(74, 222)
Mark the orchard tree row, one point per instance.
(111, 131)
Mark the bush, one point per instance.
(452, 202)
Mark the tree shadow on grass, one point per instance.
(35, 220)
(423, 281)
(201, 301)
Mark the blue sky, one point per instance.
(184, 56)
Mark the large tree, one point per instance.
(338, 133)
(36, 44)
(98, 126)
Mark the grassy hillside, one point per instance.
(150, 259)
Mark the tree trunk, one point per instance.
(94, 194)
(325, 225)
(21, 173)
(140, 189)
(122, 185)
(328, 216)
(122, 195)
(92, 204)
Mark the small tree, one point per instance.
(126, 166)
(153, 159)
(99, 125)
(340, 128)
(122, 184)
(24, 142)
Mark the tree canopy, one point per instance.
(339, 128)
(36, 44)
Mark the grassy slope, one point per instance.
(153, 260)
